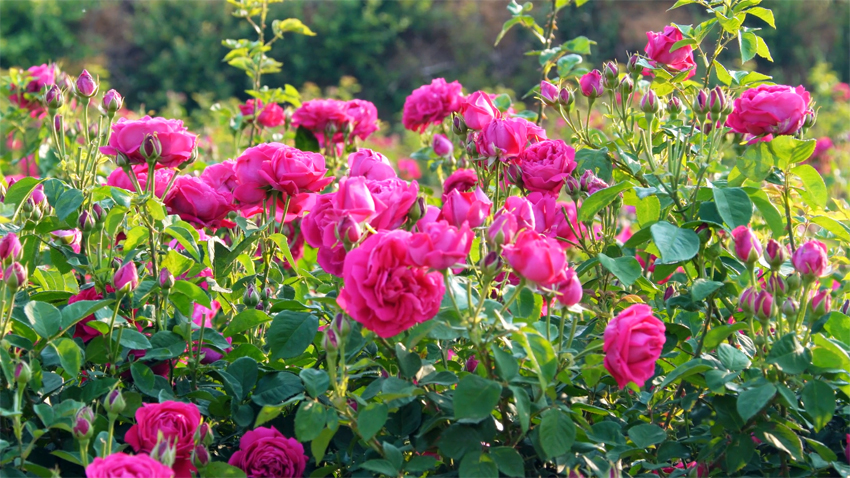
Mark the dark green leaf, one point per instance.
(819, 400)
(70, 355)
(290, 333)
(44, 318)
(646, 435)
(246, 320)
(309, 420)
(734, 206)
(557, 432)
(477, 465)
(754, 400)
(789, 355)
(598, 200)
(675, 244)
(732, 358)
(316, 381)
(627, 269)
(371, 419)
(475, 398)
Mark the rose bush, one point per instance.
(640, 272)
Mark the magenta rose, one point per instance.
(591, 84)
(203, 317)
(319, 225)
(268, 116)
(431, 104)
(505, 138)
(516, 215)
(364, 117)
(323, 116)
(479, 110)
(293, 171)
(442, 145)
(633, 342)
(472, 207)
(177, 421)
(221, 177)
(266, 453)
(464, 180)
(568, 288)
(770, 109)
(27, 97)
(658, 47)
(810, 260)
(408, 169)
(747, 245)
(370, 164)
(545, 165)
(119, 179)
(384, 290)
(549, 219)
(440, 245)
(521, 209)
(252, 185)
(81, 330)
(127, 137)
(538, 259)
(197, 202)
(122, 465)
(393, 200)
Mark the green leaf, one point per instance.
(732, 358)
(682, 371)
(193, 292)
(143, 376)
(557, 432)
(675, 244)
(734, 206)
(185, 237)
(273, 389)
(509, 461)
(541, 354)
(840, 230)
(523, 406)
(245, 371)
(45, 319)
(814, 190)
(703, 288)
(290, 333)
(580, 45)
(754, 400)
(627, 269)
(408, 362)
(293, 25)
(305, 140)
(768, 211)
(371, 419)
(567, 64)
(718, 334)
(477, 465)
(646, 435)
(73, 313)
(781, 437)
(309, 420)
(600, 199)
(749, 45)
(19, 191)
(70, 355)
(762, 49)
(819, 400)
(789, 355)
(68, 203)
(220, 469)
(764, 14)
(475, 398)
(787, 150)
(380, 466)
(739, 452)
(316, 381)
(133, 339)
(246, 320)
(507, 365)
(756, 162)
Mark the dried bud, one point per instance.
(54, 99)
(114, 402)
(86, 85)
(15, 276)
(250, 298)
(790, 307)
(459, 125)
(10, 248)
(166, 278)
(775, 254)
(23, 373)
(747, 301)
(112, 102)
(151, 147)
(632, 66)
(649, 103)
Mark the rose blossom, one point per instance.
(550, 220)
(464, 180)
(409, 169)
(545, 165)
(71, 237)
(275, 166)
(505, 138)
(127, 137)
(122, 465)
(40, 76)
(431, 104)
(393, 200)
(633, 343)
(386, 292)
(202, 317)
(321, 115)
(221, 177)
(119, 179)
(810, 260)
(658, 50)
(568, 288)
(177, 421)
(197, 202)
(472, 207)
(364, 117)
(269, 116)
(442, 145)
(370, 164)
(479, 110)
(265, 453)
(539, 259)
(440, 245)
(81, 330)
(770, 109)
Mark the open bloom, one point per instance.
(479, 110)
(464, 180)
(26, 96)
(440, 245)
(770, 109)
(633, 343)
(177, 421)
(472, 208)
(538, 259)
(658, 49)
(268, 116)
(277, 167)
(505, 138)
(370, 164)
(128, 135)
(431, 104)
(265, 453)
(545, 165)
(197, 202)
(119, 179)
(127, 466)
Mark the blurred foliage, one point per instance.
(392, 47)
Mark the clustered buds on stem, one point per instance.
(459, 125)
(250, 297)
(633, 67)
(747, 301)
(548, 93)
(627, 86)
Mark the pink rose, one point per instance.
(545, 165)
(275, 166)
(479, 110)
(370, 164)
(221, 177)
(197, 202)
(431, 104)
(323, 116)
(464, 180)
(770, 109)
(393, 200)
(127, 466)
(127, 137)
(177, 421)
(472, 207)
(126, 278)
(386, 292)
(538, 259)
(81, 330)
(71, 237)
(550, 220)
(119, 179)
(568, 288)
(505, 138)
(266, 453)
(319, 225)
(440, 245)
(432, 214)
(810, 260)
(203, 317)
(442, 145)
(10, 247)
(269, 116)
(633, 342)
(503, 229)
(591, 84)
(747, 245)
(364, 117)
(549, 93)
(658, 49)
(27, 98)
(521, 209)
(409, 169)
(354, 199)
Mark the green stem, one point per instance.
(513, 296)
(111, 327)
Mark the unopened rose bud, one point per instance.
(330, 342)
(548, 93)
(86, 221)
(10, 248)
(674, 106)
(810, 119)
(417, 210)
(82, 429)
(200, 456)
(165, 451)
(250, 298)
(266, 294)
(114, 402)
(649, 103)
(632, 66)
(23, 373)
(572, 187)
(845, 307)
(747, 301)
(566, 98)
(668, 293)
(166, 278)
(54, 99)
(514, 174)
(790, 307)
(341, 325)
(793, 282)
(821, 303)
(610, 71)
(442, 145)
(764, 305)
(776, 285)
(205, 434)
(704, 233)
(459, 125)
(15, 276)
(491, 264)
(596, 185)
(98, 213)
(122, 161)
(775, 254)
(591, 84)
(701, 104)
(348, 230)
(717, 101)
(747, 245)
(586, 178)
(86, 85)
(112, 102)
(471, 364)
(126, 278)
(627, 85)
(151, 147)
(502, 230)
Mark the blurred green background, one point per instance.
(160, 51)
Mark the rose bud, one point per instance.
(632, 66)
(548, 93)
(151, 147)
(491, 264)
(568, 289)
(442, 145)
(471, 148)
(790, 307)
(700, 105)
(341, 325)
(15, 276)
(775, 254)
(793, 282)
(348, 230)
(126, 278)
(471, 364)
(704, 233)
(776, 285)
(572, 187)
(566, 98)
(54, 99)
(596, 185)
(610, 71)
(112, 102)
(627, 85)
(114, 402)
(764, 305)
(810, 119)
(86, 85)
(674, 106)
(810, 260)
(821, 302)
(164, 451)
(166, 278)
(204, 434)
(717, 101)
(23, 373)
(82, 424)
(586, 179)
(98, 212)
(649, 103)
(330, 342)
(747, 246)
(502, 230)
(514, 174)
(200, 456)
(668, 293)
(250, 298)
(418, 210)
(10, 248)
(86, 221)
(747, 301)
(459, 125)
(591, 84)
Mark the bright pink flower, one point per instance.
(633, 343)
(442, 145)
(440, 245)
(821, 302)
(81, 330)
(472, 207)
(71, 237)
(126, 278)
(770, 109)
(568, 288)
(127, 466)
(383, 290)
(354, 199)
(502, 230)
(393, 200)
(275, 166)
(323, 116)
(119, 179)
(505, 138)
(408, 169)
(370, 164)
(549, 92)
(268, 116)
(658, 50)
(479, 110)
(591, 84)
(221, 177)
(364, 117)
(550, 219)
(811, 259)
(202, 317)
(431, 104)
(177, 421)
(197, 202)
(747, 245)
(538, 259)
(464, 180)
(264, 452)
(127, 137)
(545, 165)
(27, 97)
